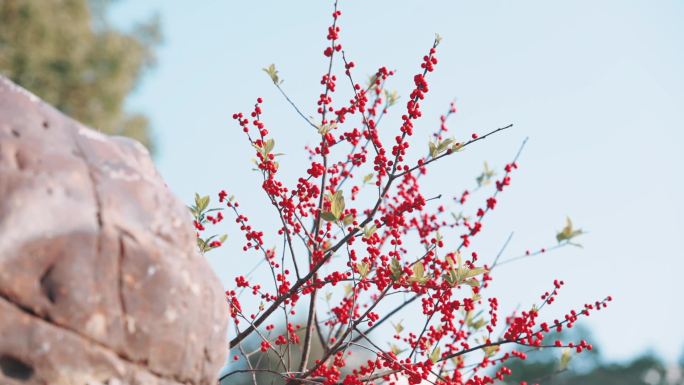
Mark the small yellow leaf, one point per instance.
(392, 97)
(565, 359)
(469, 273)
(369, 230)
(337, 204)
(396, 350)
(419, 273)
(396, 269)
(272, 73)
(491, 350)
(348, 220)
(432, 148)
(324, 129)
(438, 38)
(435, 355)
(568, 231)
(268, 146)
(363, 268)
(328, 216)
(398, 327)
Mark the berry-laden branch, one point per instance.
(358, 234)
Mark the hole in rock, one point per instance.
(14, 368)
(47, 284)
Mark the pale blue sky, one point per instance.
(597, 86)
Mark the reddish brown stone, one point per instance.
(100, 280)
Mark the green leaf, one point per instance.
(372, 79)
(392, 97)
(457, 147)
(396, 350)
(273, 73)
(203, 203)
(565, 359)
(398, 327)
(491, 350)
(328, 216)
(568, 231)
(432, 148)
(223, 238)
(348, 220)
(368, 178)
(486, 177)
(337, 204)
(203, 246)
(419, 273)
(363, 268)
(419, 270)
(444, 145)
(369, 230)
(469, 273)
(449, 278)
(395, 269)
(438, 38)
(193, 210)
(268, 146)
(478, 323)
(435, 355)
(325, 128)
(457, 361)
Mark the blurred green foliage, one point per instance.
(541, 367)
(67, 53)
(588, 368)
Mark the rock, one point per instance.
(100, 278)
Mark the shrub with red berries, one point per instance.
(361, 243)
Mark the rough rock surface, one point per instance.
(100, 280)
